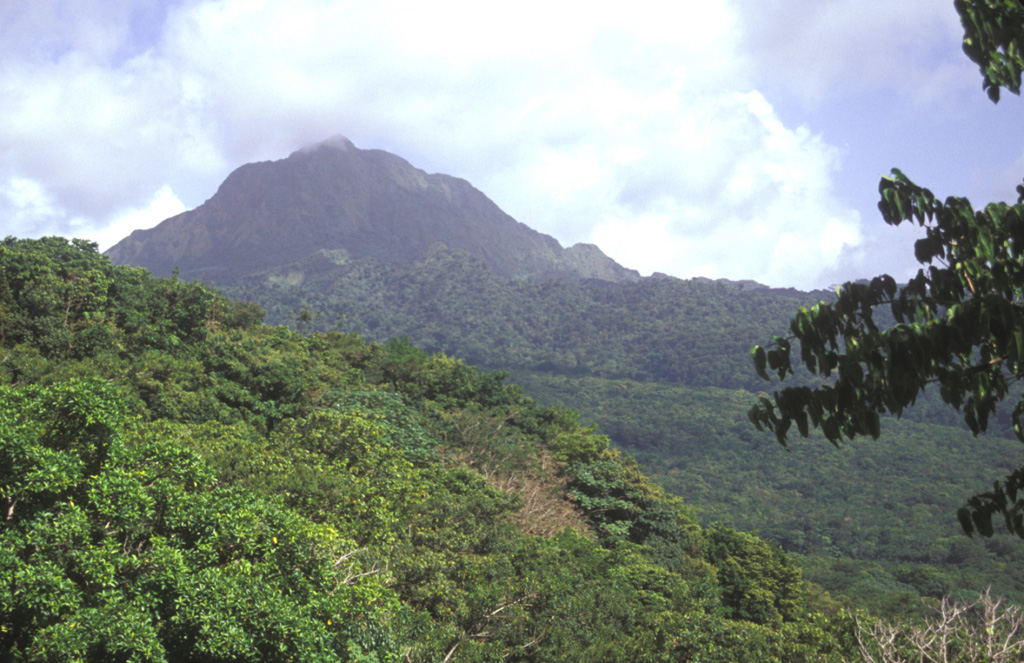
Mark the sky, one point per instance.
(739, 139)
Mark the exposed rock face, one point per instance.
(369, 203)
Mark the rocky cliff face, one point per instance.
(369, 203)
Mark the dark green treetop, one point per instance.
(993, 30)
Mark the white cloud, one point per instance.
(822, 48)
(752, 200)
(637, 126)
(163, 205)
(29, 210)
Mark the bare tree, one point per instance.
(987, 630)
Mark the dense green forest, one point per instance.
(662, 367)
(695, 332)
(874, 520)
(179, 481)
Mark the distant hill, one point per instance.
(369, 203)
(694, 331)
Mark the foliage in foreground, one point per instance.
(179, 481)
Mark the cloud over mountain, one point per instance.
(733, 132)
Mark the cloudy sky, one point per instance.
(741, 139)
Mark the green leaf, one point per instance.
(801, 423)
(874, 424)
(983, 521)
(963, 514)
(760, 361)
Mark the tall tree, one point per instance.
(958, 325)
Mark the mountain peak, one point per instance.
(371, 203)
(336, 142)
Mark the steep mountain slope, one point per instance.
(660, 363)
(370, 203)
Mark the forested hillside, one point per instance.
(696, 332)
(179, 481)
(874, 521)
(337, 239)
(662, 366)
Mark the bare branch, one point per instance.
(986, 630)
(347, 556)
(350, 578)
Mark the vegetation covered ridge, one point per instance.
(179, 481)
(662, 366)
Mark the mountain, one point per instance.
(660, 364)
(368, 203)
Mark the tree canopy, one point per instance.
(993, 30)
(181, 482)
(956, 327)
